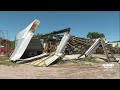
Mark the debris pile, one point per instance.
(45, 51)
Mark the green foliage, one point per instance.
(12, 44)
(37, 35)
(89, 59)
(7, 63)
(95, 35)
(9, 43)
(46, 38)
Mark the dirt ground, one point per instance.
(86, 70)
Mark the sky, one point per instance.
(80, 22)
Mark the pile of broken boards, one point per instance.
(40, 52)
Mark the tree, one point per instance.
(37, 35)
(95, 35)
(46, 37)
(12, 44)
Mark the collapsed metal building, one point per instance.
(41, 53)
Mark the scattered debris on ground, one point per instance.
(67, 56)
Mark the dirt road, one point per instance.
(62, 71)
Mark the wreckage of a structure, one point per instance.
(48, 54)
(23, 38)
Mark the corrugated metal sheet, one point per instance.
(22, 40)
(93, 47)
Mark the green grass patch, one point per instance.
(7, 63)
(89, 59)
(81, 60)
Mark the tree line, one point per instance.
(90, 35)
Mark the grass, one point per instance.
(89, 59)
(86, 59)
(7, 63)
